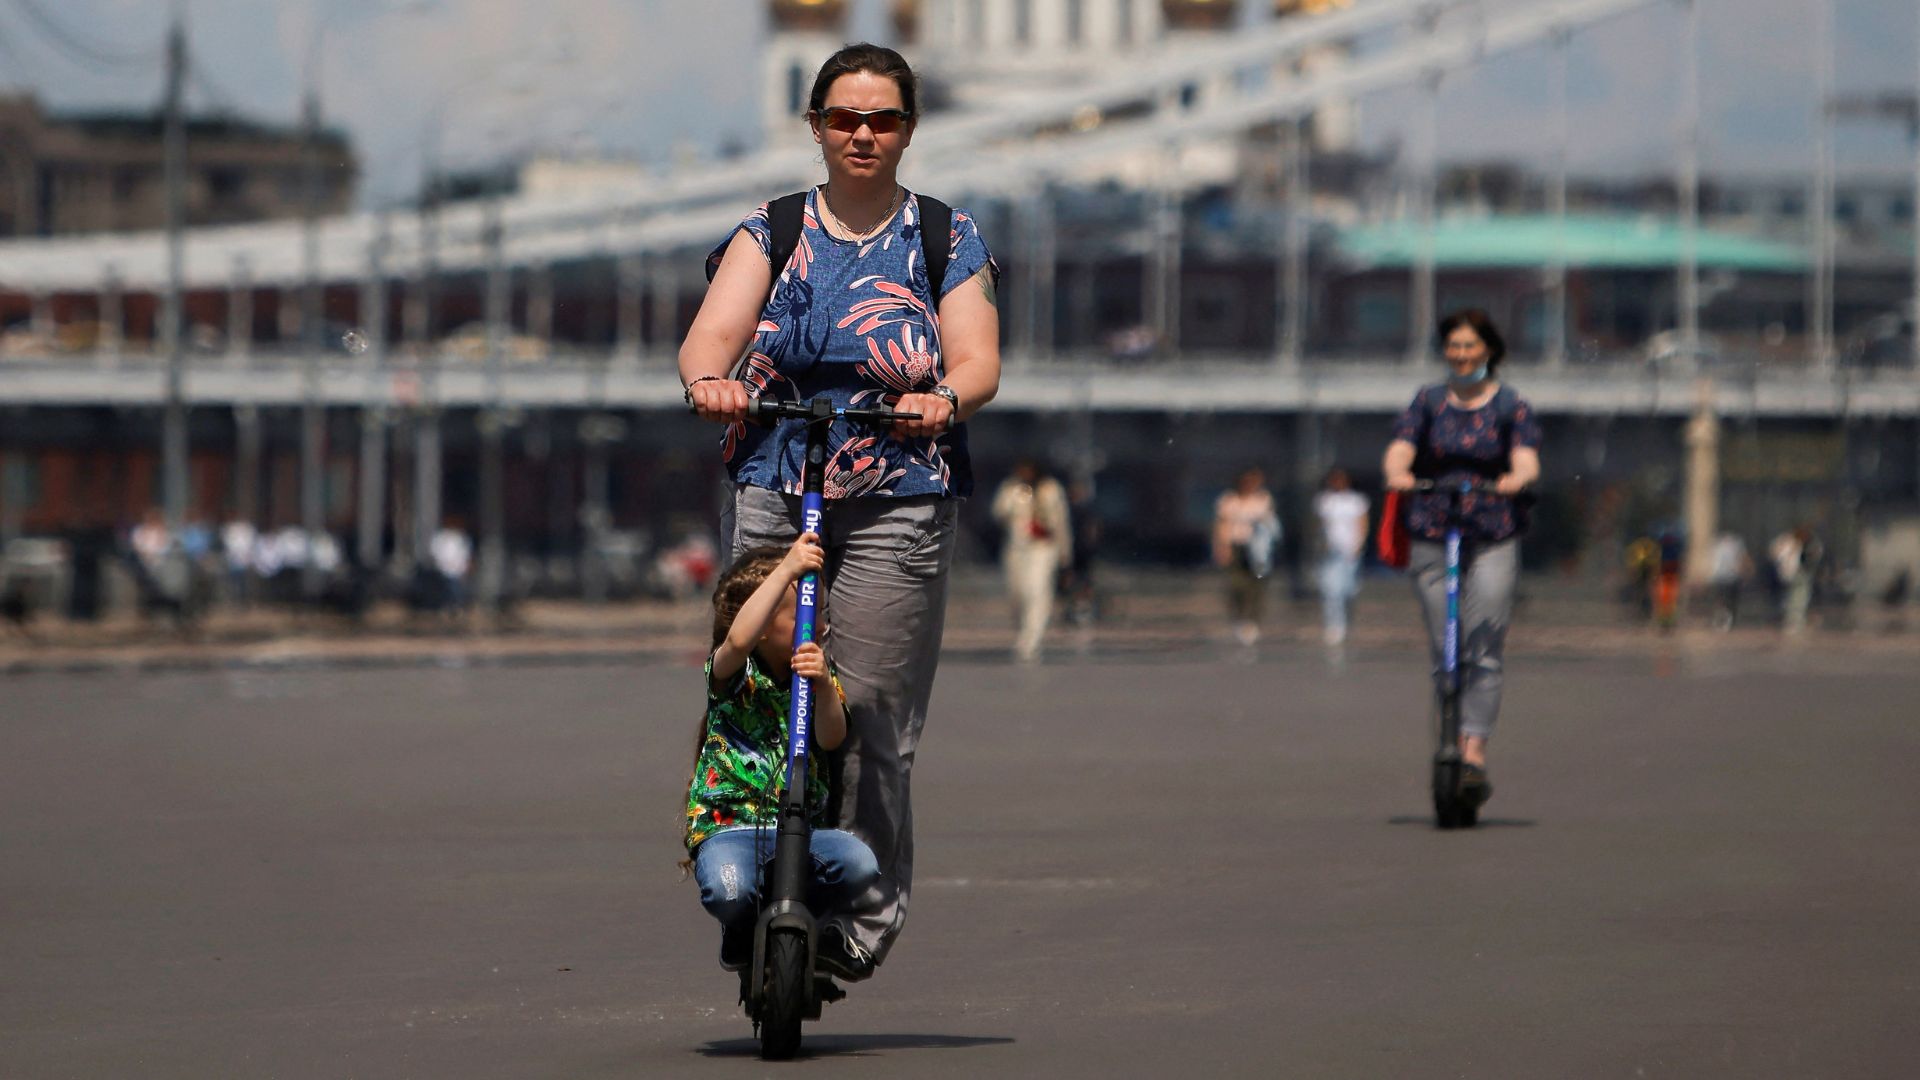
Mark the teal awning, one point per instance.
(1592, 242)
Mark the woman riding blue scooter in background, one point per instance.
(1470, 432)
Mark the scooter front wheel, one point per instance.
(785, 1003)
(1450, 811)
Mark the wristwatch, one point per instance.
(953, 399)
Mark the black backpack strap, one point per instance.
(1432, 401)
(936, 244)
(784, 219)
(1506, 409)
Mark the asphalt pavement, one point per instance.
(1142, 860)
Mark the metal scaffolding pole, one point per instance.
(1045, 256)
(1557, 202)
(426, 421)
(373, 411)
(1689, 269)
(1086, 317)
(313, 416)
(630, 276)
(426, 480)
(113, 320)
(540, 302)
(1164, 273)
(246, 487)
(493, 541)
(240, 313)
(173, 423)
(1820, 301)
(664, 342)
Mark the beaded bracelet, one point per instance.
(687, 390)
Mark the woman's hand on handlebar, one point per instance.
(1509, 484)
(1400, 481)
(723, 401)
(935, 413)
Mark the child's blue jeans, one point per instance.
(727, 866)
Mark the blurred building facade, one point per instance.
(1148, 310)
(68, 173)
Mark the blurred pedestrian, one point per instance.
(1343, 531)
(1793, 567)
(1246, 530)
(1032, 507)
(452, 553)
(1084, 522)
(237, 540)
(1469, 429)
(1666, 589)
(1728, 571)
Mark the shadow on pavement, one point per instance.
(814, 1046)
(1485, 822)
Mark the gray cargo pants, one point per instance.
(1487, 577)
(887, 563)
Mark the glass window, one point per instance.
(22, 479)
(1380, 317)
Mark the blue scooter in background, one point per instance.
(1453, 807)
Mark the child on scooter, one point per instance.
(739, 769)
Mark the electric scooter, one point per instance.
(781, 987)
(1452, 807)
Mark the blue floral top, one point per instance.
(1457, 445)
(853, 321)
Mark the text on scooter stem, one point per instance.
(802, 711)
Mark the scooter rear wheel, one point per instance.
(785, 1003)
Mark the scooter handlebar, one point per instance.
(761, 410)
(1481, 487)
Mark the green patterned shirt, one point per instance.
(739, 772)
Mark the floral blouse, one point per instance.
(853, 321)
(740, 770)
(1457, 445)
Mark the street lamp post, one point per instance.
(1820, 300)
(1557, 202)
(373, 413)
(493, 545)
(313, 416)
(1689, 292)
(173, 439)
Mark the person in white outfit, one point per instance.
(1343, 528)
(452, 554)
(1032, 507)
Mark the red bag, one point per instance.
(1396, 547)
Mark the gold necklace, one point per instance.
(826, 201)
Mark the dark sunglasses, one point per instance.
(882, 121)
